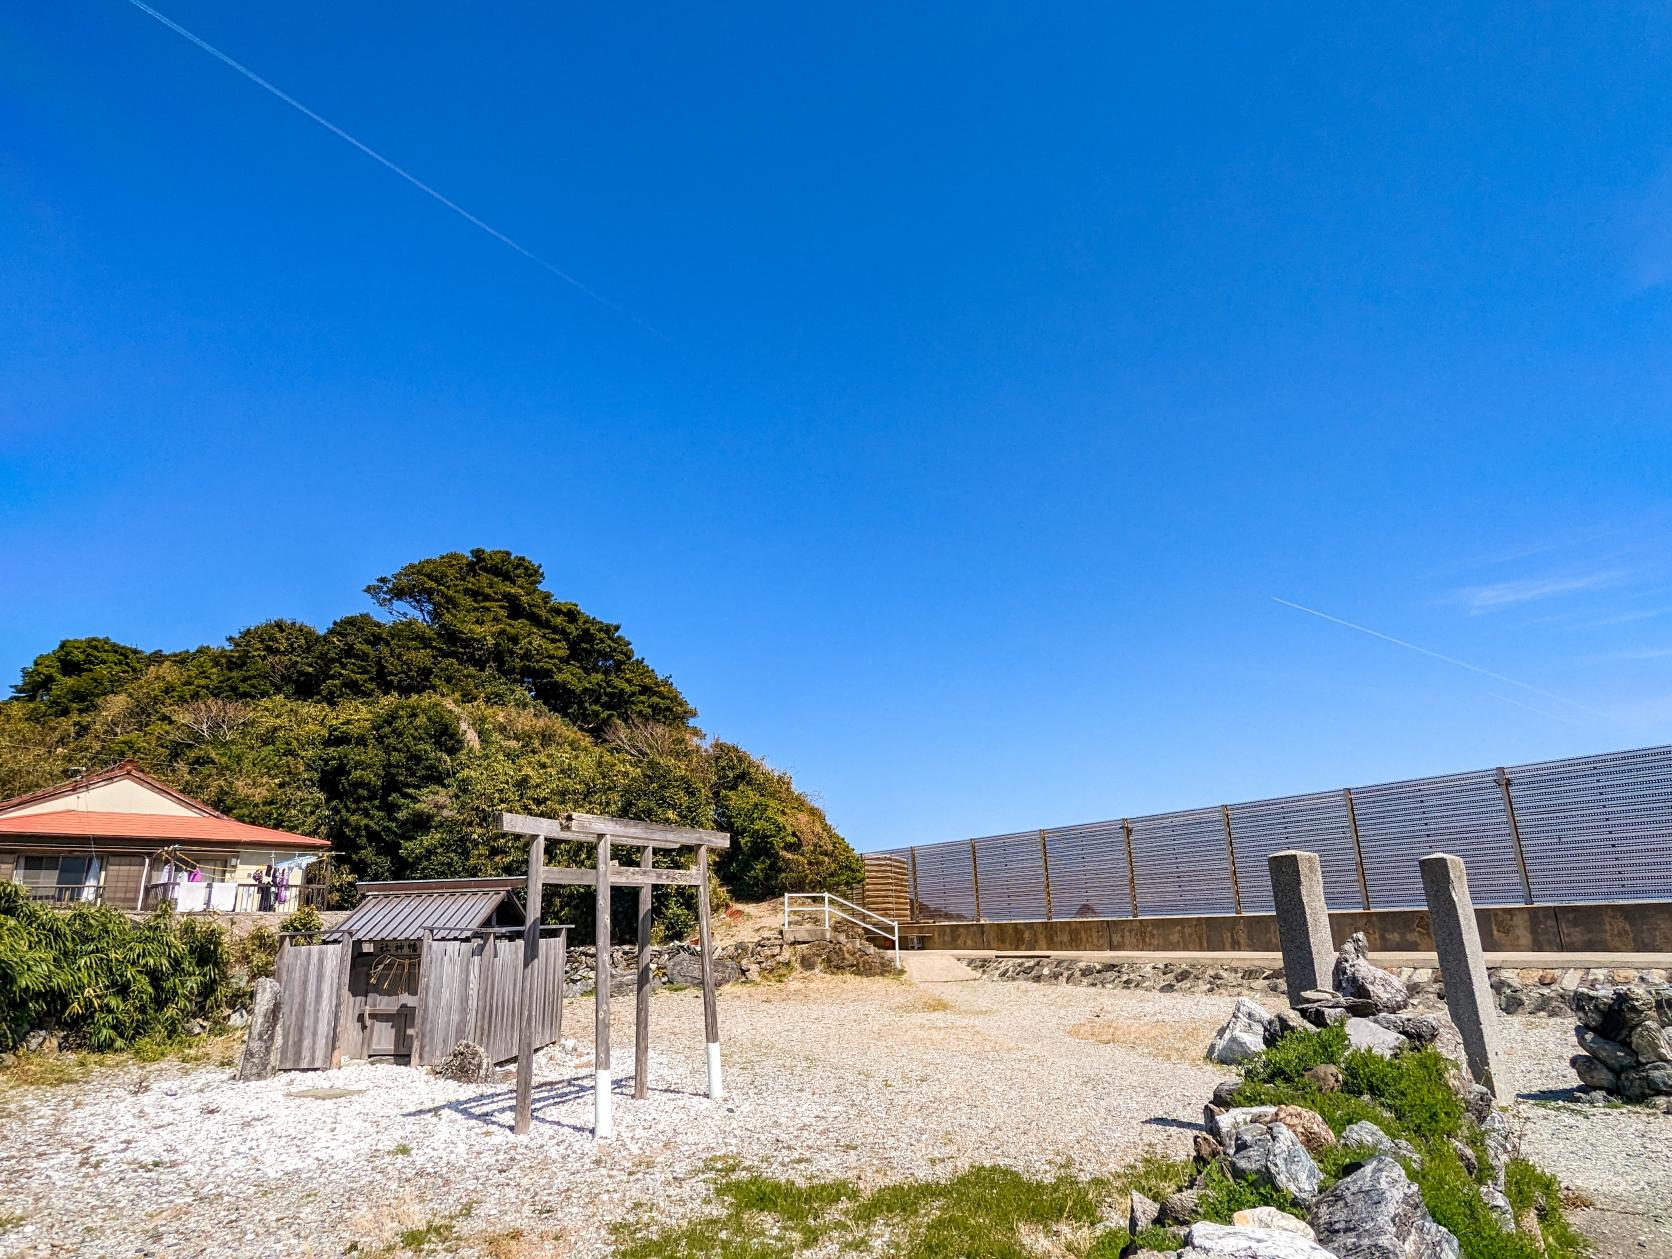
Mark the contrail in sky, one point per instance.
(1461, 664)
(377, 157)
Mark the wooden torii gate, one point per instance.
(602, 832)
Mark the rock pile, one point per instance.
(1368, 999)
(1517, 990)
(1628, 1047)
(1373, 1210)
(680, 964)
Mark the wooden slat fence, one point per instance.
(314, 982)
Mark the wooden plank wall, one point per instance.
(314, 982)
(467, 990)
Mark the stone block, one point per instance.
(1297, 888)
(1469, 997)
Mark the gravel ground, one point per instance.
(1620, 1157)
(870, 1079)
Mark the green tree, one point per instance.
(384, 771)
(74, 676)
(488, 611)
(781, 841)
(398, 738)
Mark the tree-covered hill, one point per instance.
(395, 734)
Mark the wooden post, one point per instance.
(1045, 866)
(603, 1125)
(525, 991)
(1131, 866)
(1231, 856)
(710, 1014)
(641, 1010)
(975, 880)
(1358, 849)
(341, 1027)
(1502, 779)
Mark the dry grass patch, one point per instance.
(1183, 1040)
(514, 1243)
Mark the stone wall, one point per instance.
(769, 956)
(1518, 991)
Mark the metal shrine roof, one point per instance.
(404, 911)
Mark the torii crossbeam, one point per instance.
(604, 875)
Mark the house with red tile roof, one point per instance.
(121, 837)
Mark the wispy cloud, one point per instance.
(1635, 653)
(1508, 594)
(1426, 651)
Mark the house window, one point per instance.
(214, 867)
(66, 877)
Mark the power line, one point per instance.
(410, 178)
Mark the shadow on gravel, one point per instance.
(498, 1109)
(1549, 1095)
(1163, 1121)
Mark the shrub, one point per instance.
(101, 980)
(1416, 1086)
(306, 919)
(1295, 1054)
(1223, 1195)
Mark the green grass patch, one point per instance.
(982, 1213)
(1155, 1237)
(1154, 1175)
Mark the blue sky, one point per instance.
(1007, 363)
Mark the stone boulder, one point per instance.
(1321, 1008)
(1649, 1081)
(1650, 1042)
(1228, 1241)
(1141, 1213)
(1357, 979)
(1271, 1154)
(1308, 1126)
(1368, 1136)
(1628, 1052)
(1377, 1213)
(260, 1058)
(1245, 1034)
(1183, 1207)
(1614, 1012)
(1271, 1217)
(1225, 1124)
(1611, 1054)
(1325, 1077)
(1418, 1029)
(1363, 1034)
(466, 1063)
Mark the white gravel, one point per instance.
(1618, 1156)
(869, 1079)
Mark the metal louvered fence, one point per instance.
(1583, 829)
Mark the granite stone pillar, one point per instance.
(1297, 890)
(1451, 918)
(261, 1040)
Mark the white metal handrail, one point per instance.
(824, 902)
